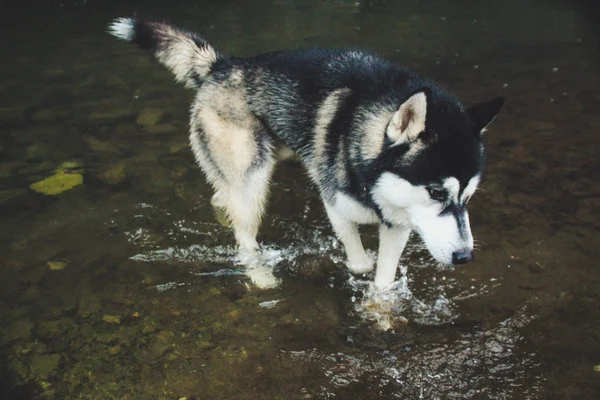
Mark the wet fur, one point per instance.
(364, 128)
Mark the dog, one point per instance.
(382, 144)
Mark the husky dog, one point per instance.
(383, 145)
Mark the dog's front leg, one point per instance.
(359, 261)
(392, 241)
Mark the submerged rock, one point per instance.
(11, 194)
(11, 115)
(52, 114)
(53, 328)
(150, 116)
(161, 128)
(65, 177)
(56, 265)
(88, 305)
(176, 147)
(110, 114)
(112, 319)
(44, 364)
(101, 146)
(38, 151)
(20, 330)
(57, 184)
(7, 169)
(114, 173)
(150, 325)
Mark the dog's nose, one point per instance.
(462, 257)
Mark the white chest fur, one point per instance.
(354, 211)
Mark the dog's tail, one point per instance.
(186, 54)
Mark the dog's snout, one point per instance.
(462, 257)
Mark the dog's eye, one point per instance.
(436, 194)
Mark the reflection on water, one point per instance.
(122, 283)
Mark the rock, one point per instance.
(150, 325)
(19, 330)
(110, 114)
(125, 131)
(52, 329)
(111, 319)
(32, 294)
(8, 169)
(535, 268)
(53, 114)
(176, 147)
(179, 172)
(38, 151)
(315, 267)
(150, 116)
(11, 194)
(114, 350)
(19, 245)
(57, 183)
(234, 315)
(45, 364)
(114, 173)
(161, 129)
(101, 146)
(65, 177)
(88, 305)
(11, 115)
(18, 367)
(56, 265)
(106, 338)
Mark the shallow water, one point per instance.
(126, 287)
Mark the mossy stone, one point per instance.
(19, 330)
(65, 177)
(44, 365)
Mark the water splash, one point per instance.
(395, 305)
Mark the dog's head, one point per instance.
(431, 166)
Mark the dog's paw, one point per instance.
(262, 277)
(363, 266)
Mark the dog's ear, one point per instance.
(409, 120)
(483, 114)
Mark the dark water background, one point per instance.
(144, 299)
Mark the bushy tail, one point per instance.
(187, 55)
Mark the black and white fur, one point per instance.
(383, 145)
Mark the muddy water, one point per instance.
(123, 284)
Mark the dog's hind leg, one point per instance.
(246, 202)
